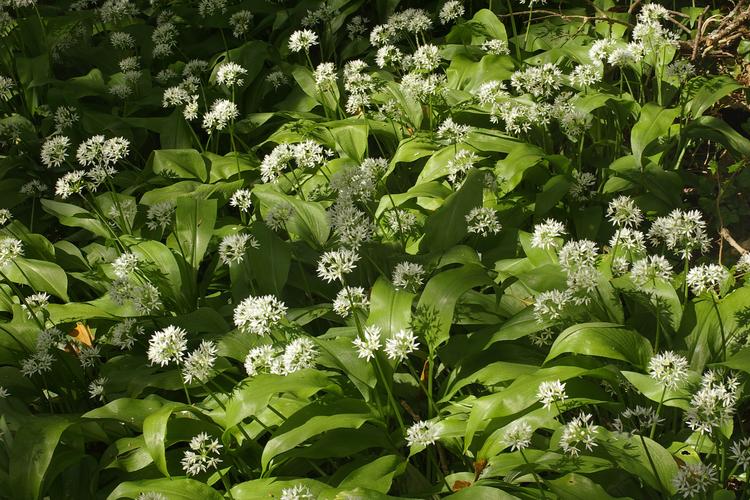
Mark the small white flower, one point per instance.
(452, 132)
(496, 47)
(349, 299)
(199, 364)
(257, 315)
(297, 492)
(421, 433)
(302, 40)
(260, 359)
(230, 74)
(743, 265)
(159, 215)
(741, 453)
(242, 199)
(579, 431)
(222, 113)
(167, 345)
(408, 276)
(299, 354)
(334, 264)
(623, 212)
(10, 250)
(645, 271)
(669, 369)
(89, 355)
(369, 344)
(96, 388)
(401, 344)
(551, 392)
(125, 265)
(233, 247)
(694, 478)
(325, 76)
(518, 435)
(201, 457)
(55, 151)
(706, 277)
(550, 306)
(240, 22)
(546, 234)
(483, 221)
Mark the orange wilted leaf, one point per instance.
(459, 485)
(423, 375)
(83, 334)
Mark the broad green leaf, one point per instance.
(351, 138)
(576, 486)
(171, 488)
(636, 455)
(739, 361)
(127, 410)
(194, 225)
(447, 225)
(155, 431)
(390, 309)
(309, 220)
(40, 275)
(678, 398)
(263, 489)
(714, 129)
(376, 475)
(313, 420)
(178, 163)
(75, 216)
(607, 340)
(271, 261)
(653, 123)
(443, 291)
(479, 492)
(33, 448)
(510, 170)
(710, 93)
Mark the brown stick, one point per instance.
(724, 232)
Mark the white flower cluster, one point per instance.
(257, 315)
(306, 155)
(223, 112)
(408, 22)
(422, 433)
(299, 354)
(202, 455)
(349, 299)
(669, 369)
(714, 403)
(579, 432)
(233, 247)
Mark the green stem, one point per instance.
(658, 411)
(533, 472)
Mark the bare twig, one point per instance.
(724, 232)
(567, 17)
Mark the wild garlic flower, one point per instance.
(203, 455)
(208, 8)
(123, 335)
(743, 264)
(350, 298)
(577, 254)
(550, 306)
(482, 221)
(629, 241)
(741, 453)
(496, 47)
(713, 404)
(451, 132)
(631, 53)
(277, 79)
(681, 70)
(4, 393)
(222, 113)
(240, 22)
(490, 92)
(257, 315)
(150, 495)
(260, 359)
(546, 234)
(242, 199)
(88, 356)
(34, 188)
(297, 492)
(539, 81)
(425, 59)
(325, 76)
(37, 364)
(65, 117)
(99, 152)
(400, 222)
(639, 419)
(388, 56)
(164, 38)
(167, 345)
(694, 478)
(10, 249)
(579, 432)
(230, 74)
(233, 247)
(5, 216)
(459, 166)
(706, 277)
(586, 75)
(334, 264)
(408, 276)
(551, 392)
(125, 265)
(96, 388)
(277, 216)
(669, 369)
(301, 353)
(369, 343)
(582, 186)
(421, 433)
(37, 303)
(623, 212)
(55, 151)
(451, 10)
(401, 344)
(518, 435)
(681, 231)
(302, 40)
(159, 215)
(646, 271)
(199, 364)
(121, 40)
(356, 27)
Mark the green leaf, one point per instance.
(710, 93)
(653, 390)
(194, 225)
(40, 275)
(390, 309)
(127, 410)
(714, 129)
(351, 138)
(309, 220)
(376, 475)
(576, 486)
(171, 488)
(739, 361)
(636, 455)
(510, 170)
(155, 432)
(653, 123)
(271, 261)
(312, 420)
(179, 163)
(607, 340)
(75, 216)
(479, 492)
(33, 447)
(447, 225)
(443, 291)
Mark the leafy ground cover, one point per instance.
(374, 250)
